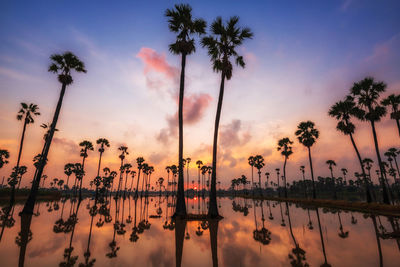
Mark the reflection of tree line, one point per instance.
(297, 255)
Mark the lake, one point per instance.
(141, 233)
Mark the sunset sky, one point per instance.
(305, 55)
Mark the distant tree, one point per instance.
(284, 145)
(307, 135)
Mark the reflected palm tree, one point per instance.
(325, 264)
(71, 222)
(89, 262)
(378, 241)
(24, 236)
(342, 234)
(262, 235)
(298, 254)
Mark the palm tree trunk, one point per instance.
(312, 173)
(398, 125)
(397, 166)
(180, 204)
(20, 150)
(213, 209)
(137, 184)
(305, 186)
(30, 202)
(382, 169)
(284, 176)
(367, 190)
(378, 242)
(80, 182)
(322, 238)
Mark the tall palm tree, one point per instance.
(307, 135)
(221, 46)
(27, 113)
(61, 65)
(284, 145)
(103, 144)
(188, 160)
(86, 146)
(330, 164)
(393, 101)
(180, 21)
(199, 163)
(366, 94)
(343, 111)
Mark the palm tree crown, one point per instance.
(4, 155)
(366, 93)
(222, 46)
(28, 111)
(180, 21)
(306, 133)
(103, 143)
(343, 111)
(284, 145)
(63, 64)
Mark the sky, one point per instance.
(305, 56)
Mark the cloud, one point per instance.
(67, 145)
(194, 107)
(230, 135)
(156, 63)
(383, 51)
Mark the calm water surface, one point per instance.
(141, 233)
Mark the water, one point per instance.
(233, 239)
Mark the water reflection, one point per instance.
(126, 230)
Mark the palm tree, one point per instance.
(259, 164)
(180, 21)
(251, 163)
(199, 163)
(221, 48)
(4, 155)
(307, 135)
(393, 101)
(284, 145)
(124, 152)
(344, 171)
(139, 162)
(392, 153)
(188, 160)
(62, 65)
(343, 111)
(27, 112)
(68, 170)
(366, 93)
(303, 170)
(277, 179)
(86, 146)
(330, 164)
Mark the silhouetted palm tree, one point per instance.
(86, 146)
(343, 111)
(68, 170)
(251, 163)
(221, 46)
(259, 164)
(344, 171)
(307, 135)
(393, 101)
(62, 65)
(366, 93)
(180, 21)
(284, 145)
(4, 155)
(330, 164)
(124, 152)
(302, 169)
(139, 162)
(27, 112)
(393, 152)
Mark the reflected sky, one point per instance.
(251, 234)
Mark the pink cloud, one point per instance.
(194, 107)
(157, 62)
